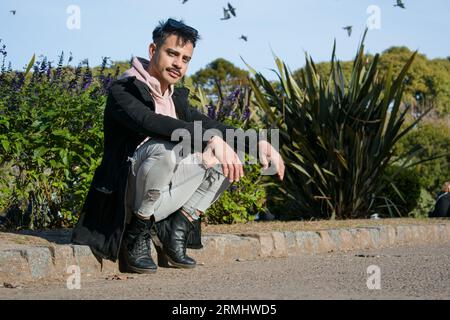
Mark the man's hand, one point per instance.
(267, 153)
(232, 166)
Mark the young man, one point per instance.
(144, 188)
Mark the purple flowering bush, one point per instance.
(51, 137)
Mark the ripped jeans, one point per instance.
(158, 185)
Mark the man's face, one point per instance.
(169, 62)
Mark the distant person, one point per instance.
(442, 207)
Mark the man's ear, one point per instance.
(151, 50)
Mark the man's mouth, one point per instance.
(173, 73)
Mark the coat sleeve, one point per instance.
(209, 123)
(126, 109)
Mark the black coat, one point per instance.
(129, 117)
(442, 206)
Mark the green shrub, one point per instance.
(425, 205)
(401, 193)
(242, 201)
(434, 140)
(246, 198)
(51, 141)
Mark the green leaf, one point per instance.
(39, 152)
(30, 64)
(6, 145)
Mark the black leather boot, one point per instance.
(195, 236)
(136, 252)
(170, 238)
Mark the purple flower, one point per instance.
(87, 78)
(104, 63)
(107, 83)
(233, 96)
(236, 93)
(246, 114)
(73, 83)
(88, 126)
(60, 64)
(86, 85)
(212, 112)
(4, 53)
(49, 70)
(18, 81)
(35, 73)
(43, 66)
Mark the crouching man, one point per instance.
(145, 188)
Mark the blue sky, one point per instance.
(121, 29)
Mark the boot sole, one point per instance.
(166, 262)
(141, 271)
(180, 265)
(123, 261)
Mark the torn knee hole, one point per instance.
(153, 195)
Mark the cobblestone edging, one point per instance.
(28, 263)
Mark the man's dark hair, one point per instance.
(172, 26)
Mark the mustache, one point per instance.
(174, 71)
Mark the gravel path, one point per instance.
(405, 273)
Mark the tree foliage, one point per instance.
(219, 78)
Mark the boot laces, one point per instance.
(142, 243)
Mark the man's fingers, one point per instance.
(237, 171)
(264, 161)
(281, 170)
(225, 169)
(231, 173)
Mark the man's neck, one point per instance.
(164, 87)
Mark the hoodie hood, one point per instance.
(163, 101)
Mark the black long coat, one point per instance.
(129, 117)
(442, 207)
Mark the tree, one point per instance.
(220, 77)
(434, 139)
(427, 82)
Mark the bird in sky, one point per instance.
(184, 1)
(231, 9)
(13, 12)
(226, 14)
(349, 30)
(400, 4)
(244, 38)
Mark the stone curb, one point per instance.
(56, 261)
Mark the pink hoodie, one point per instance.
(163, 102)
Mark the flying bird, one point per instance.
(231, 9)
(226, 15)
(13, 12)
(400, 4)
(349, 30)
(244, 38)
(184, 1)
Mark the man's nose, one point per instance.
(177, 63)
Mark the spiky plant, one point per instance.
(336, 137)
